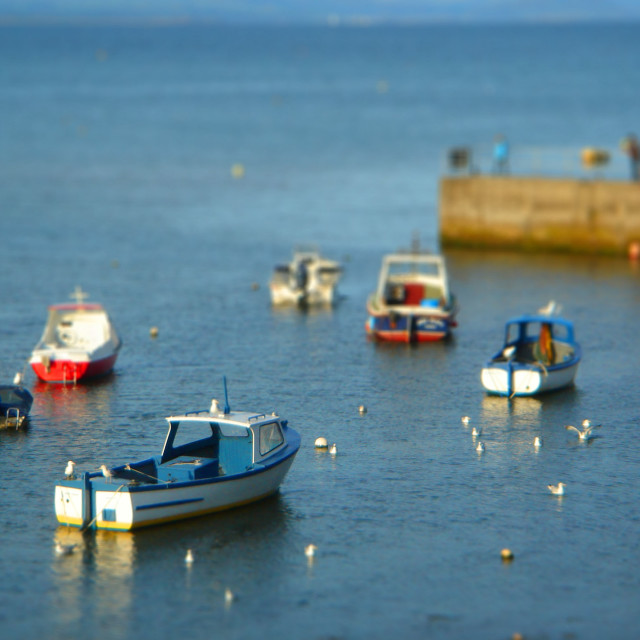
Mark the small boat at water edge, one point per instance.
(539, 354)
(212, 460)
(308, 280)
(15, 404)
(412, 302)
(79, 342)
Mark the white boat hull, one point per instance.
(120, 506)
(526, 379)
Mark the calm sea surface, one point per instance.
(116, 148)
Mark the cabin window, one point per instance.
(191, 431)
(270, 437)
(233, 431)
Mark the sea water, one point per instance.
(117, 145)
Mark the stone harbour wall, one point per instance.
(539, 214)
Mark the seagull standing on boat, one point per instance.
(106, 472)
(69, 471)
(557, 489)
(583, 434)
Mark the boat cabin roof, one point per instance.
(73, 306)
(535, 320)
(216, 413)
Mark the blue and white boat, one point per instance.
(15, 403)
(539, 354)
(212, 460)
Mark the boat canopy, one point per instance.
(527, 327)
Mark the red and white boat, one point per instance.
(79, 342)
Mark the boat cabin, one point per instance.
(76, 326)
(539, 339)
(211, 444)
(413, 280)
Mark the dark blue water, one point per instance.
(115, 153)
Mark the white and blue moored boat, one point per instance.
(539, 354)
(211, 460)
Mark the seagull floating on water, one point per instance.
(228, 597)
(557, 489)
(105, 472)
(189, 557)
(64, 549)
(537, 442)
(362, 409)
(333, 449)
(310, 550)
(480, 447)
(476, 431)
(465, 420)
(69, 470)
(583, 434)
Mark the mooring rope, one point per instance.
(122, 486)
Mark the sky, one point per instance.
(334, 12)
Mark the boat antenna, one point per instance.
(79, 295)
(227, 408)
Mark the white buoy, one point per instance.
(153, 332)
(70, 469)
(321, 443)
(189, 558)
(237, 171)
(557, 489)
(333, 449)
(228, 597)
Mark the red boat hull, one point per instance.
(69, 371)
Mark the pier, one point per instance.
(539, 213)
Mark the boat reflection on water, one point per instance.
(524, 410)
(74, 401)
(99, 569)
(102, 577)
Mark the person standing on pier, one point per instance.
(632, 148)
(500, 154)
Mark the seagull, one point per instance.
(584, 434)
(551, 308)
(228, 597)
(69, 470)
(310, 550)
(189, 557)
(333, 449)
(476, 431)
(480, 447)
(64, 549)
(557, 489)
(362, 409)
(465, 420)
(537, 442)
(105, 472)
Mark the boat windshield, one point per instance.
(424, 268)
